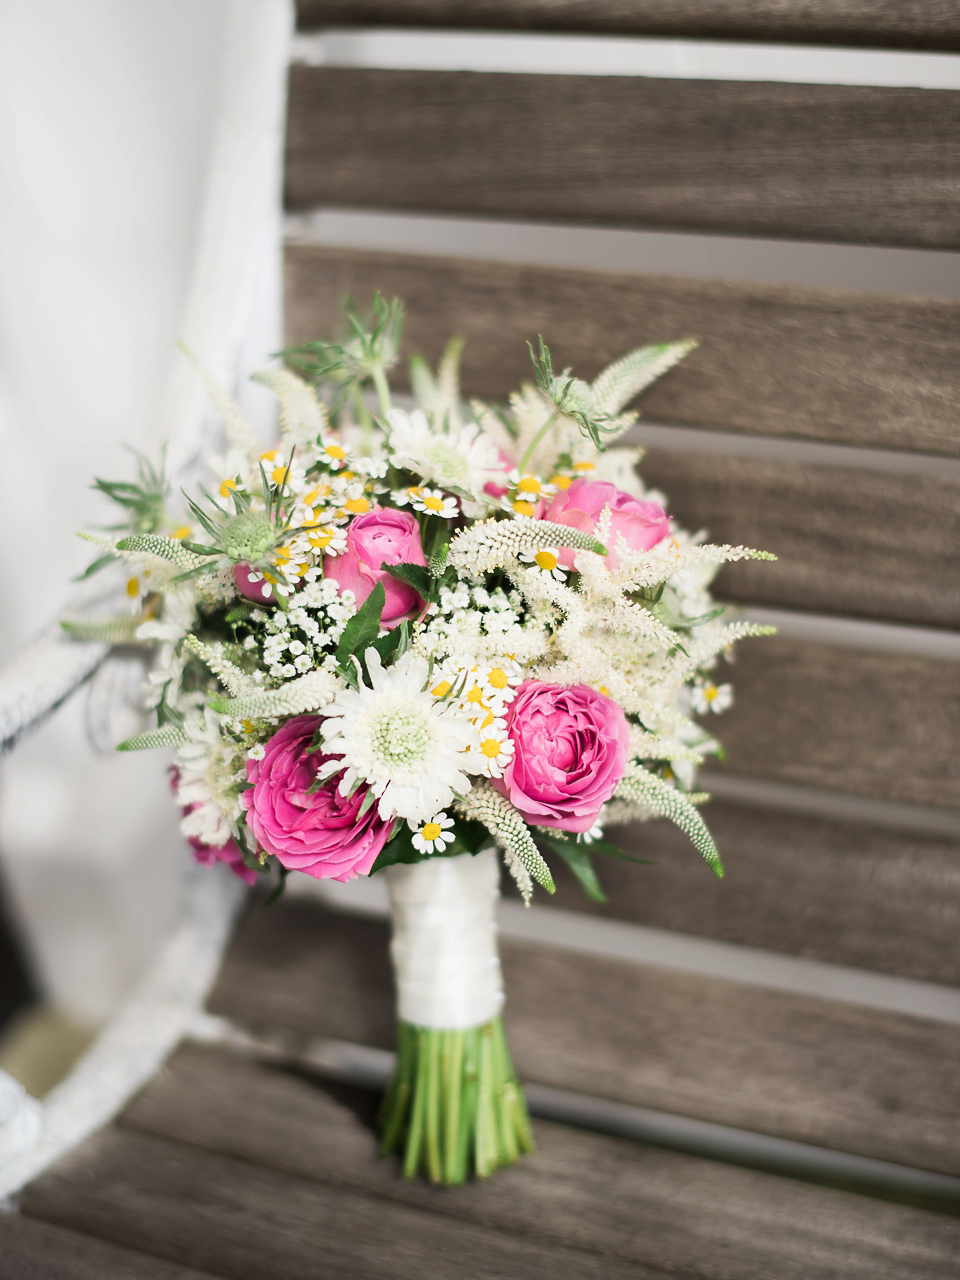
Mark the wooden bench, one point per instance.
(811, 998)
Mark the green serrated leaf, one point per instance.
(417, 576)
(363, 628)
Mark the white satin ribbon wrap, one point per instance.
(444, 944)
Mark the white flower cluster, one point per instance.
(304, 636)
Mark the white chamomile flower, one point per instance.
(545, 560)
(529, 486)
(595, 833)
(406, 744)
(499, 681)
(706, 696)
(463, 458)
(494, 749)
(333, 455)
(328, 539)
(283, 471)
(433, 836)
(434, 503)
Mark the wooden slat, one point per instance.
(850, 1078)
(840, 892)
(867, 723)
(872, 543)
(633, 1203)
(33, 1250)
(851, 368)
(920, 24)
(250, 1222)
(802, 161)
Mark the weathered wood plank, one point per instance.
(872, 543)
(867, 723)
(851, 368)
(902, 24)
(33, 1250)
(802, 161)
(253, 1223)
(839, 1076)
(839, 892)
(599, 1194)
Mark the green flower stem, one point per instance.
(363, 417)
(383, 389)
(454, 1105)
(532, 446)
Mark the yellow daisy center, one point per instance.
(490, 748)
(498, 678)
(442, 689)
(710, 692)
(431, 831)
(182, 531)
(336, 452)
(321, 540)
(546, 560)
(433, 504)
(227, 487)
(523, 508)
(583, 466)
(279, 475)
(561, 482)
(357, 506)
(476, 695)
(529, 484)
(133, 587)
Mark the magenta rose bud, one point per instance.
(570, 751)
(231, 854)
(641, 524)
(382, 536)
(323, 834)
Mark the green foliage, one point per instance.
(142, 501)
(417, 576)
(369, 347)
(578, 859)
(361, 632)
(106, 630)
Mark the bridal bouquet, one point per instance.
(415, 640)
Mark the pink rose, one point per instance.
(570, 751)
(382, 536)
(323, 834)
(641, 524)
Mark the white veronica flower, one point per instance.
(394, 735)
(463, 458)
(433, 836)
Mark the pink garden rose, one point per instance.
(382, 536)
(570, 751)
(642, 524)
(323, 834)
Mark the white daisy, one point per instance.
(394, 735)
(434, 503)
(464, 458)
(706, 696)
(494, 749)
(545, 560)
(433, 836)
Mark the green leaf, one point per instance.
(363, 628)
(578, 859)
(101, 562)
(277, 892)
(414, 575)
